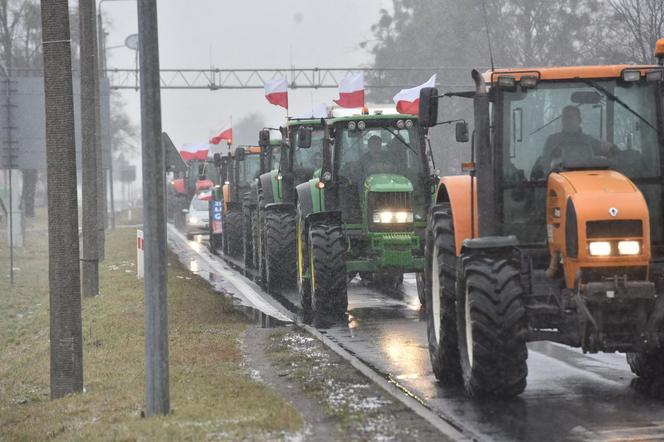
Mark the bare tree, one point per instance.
(637, 25)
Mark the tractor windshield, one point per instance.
(249, 169)
(382, 148)
(576, 122)
(306, 161)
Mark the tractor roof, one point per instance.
(371, 117)
(304, 122)
(567, 72)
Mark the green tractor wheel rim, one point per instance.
(435, 294)
(469, 329)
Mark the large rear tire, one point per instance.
(648, 366)
(233, 233)
(492, 326)
(303, 285)
(440, 296)
(247, 238)
(329, 297)
(280, 250)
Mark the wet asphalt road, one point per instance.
(570, 396)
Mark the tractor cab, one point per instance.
(379, 170)
(563, 119)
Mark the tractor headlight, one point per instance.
(390, 217)
(352, 125)
(409, 124)
(361, 125)
(599, 248)
(400, 124)
(629, 247)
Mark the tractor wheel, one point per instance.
(492, 326)
(215, 242)
(256, 240)
(247, 239)
(329, 297)
(647, 365)
(419, 283)
(233, 233)
(440, 296)
(280, 256)
(303, 285)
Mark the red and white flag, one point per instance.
(408, 100)
(225, 134)
(351, 91)
(194, 151)
(276, 92)
(205, 195)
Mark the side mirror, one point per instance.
(239, 153)
(264, 138)
(217, 160)
(428, 106)
(461, 132)
(304, 137)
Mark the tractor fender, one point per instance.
(310, 198)
(332, 217)
(280, 207)
(455, 190)
(268, 183)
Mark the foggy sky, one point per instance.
(242, 34)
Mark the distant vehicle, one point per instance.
(197, 217)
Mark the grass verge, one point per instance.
(212, 394)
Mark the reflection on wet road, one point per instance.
(570, 396)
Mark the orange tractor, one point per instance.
(556, 233)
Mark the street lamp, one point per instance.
(102, 67)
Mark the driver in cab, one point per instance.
(570, 144)
(376, 161)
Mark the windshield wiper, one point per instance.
(612, 97)
(547, 124)
(400, 138)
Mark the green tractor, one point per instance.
(270, 160)
(274, 229)
(366, 210)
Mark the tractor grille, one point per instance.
(393, 201)
(390, 200)
(614, 229)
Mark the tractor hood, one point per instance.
(599, 181)
(387, 182)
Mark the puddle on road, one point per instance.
(196, 265)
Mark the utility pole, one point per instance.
(63, 253)
(90, 189)
(154, 215)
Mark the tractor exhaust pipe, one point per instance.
(486, 211)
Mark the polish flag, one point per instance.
(408, 100)
(276, 92)
(194, 151)
(225, 134)
(205, 195)
(351, 91)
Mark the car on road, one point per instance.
(197, 217)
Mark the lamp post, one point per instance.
(102, 67)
